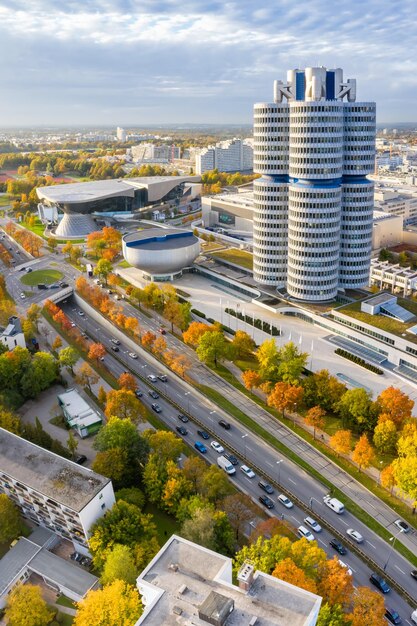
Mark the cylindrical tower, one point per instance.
(270, 158)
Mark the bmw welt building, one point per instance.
(109, 198)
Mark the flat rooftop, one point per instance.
(157, 238)
(182, 576)
(57, 478)
(381, 298)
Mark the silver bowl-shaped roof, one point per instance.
(161, 250)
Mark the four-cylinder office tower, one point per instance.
(313, 202)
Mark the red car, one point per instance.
(162, 331)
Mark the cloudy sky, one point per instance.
(133, 62)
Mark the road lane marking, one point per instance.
(371, 544)
(343, 522)
(294, 518)
(399, 569)
(249, 449)
(292, 481)
(321, 541)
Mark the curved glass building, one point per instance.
(314, 147)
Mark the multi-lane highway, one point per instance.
(252, 450)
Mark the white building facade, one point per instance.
(226, 156)
(313, 202)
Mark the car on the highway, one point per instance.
(81, 313)
(339, 547)
(379, 582)
(266, 502)
(285, 501)
(392, 616)
(22, 295)
(162, 331)
(402, 526)
(304, 533)
(22, 269)
(163, 378)
(56, 286)
(115, 341)
(27, 269)
(72, 324)
(309, 521)
(249, 473)
(414, 574)
(133, 355)
(224, 424)
(138, 393)
(355, 535)
(183, 418)
(413, 617)
(152, 378)
(182, 430)
(349, 571)
(217, 447)
(203, 434)
(265, 487)
(153, 394)
(62, 285)
(156, 408)
(231, 458)
(200, 447)
(115, 348)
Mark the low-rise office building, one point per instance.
(52, 491)
(78, 414)
(392, 276)
(387, 229)
(188, 584)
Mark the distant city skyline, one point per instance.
(163, 62)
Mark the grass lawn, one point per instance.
(236, 256)
(64, 601)
(166, 524)
(37, 228)
(65, 619)
(46, 276)
(124, 264)
(5, 200)
(59, 421)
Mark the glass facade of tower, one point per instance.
(313, 203)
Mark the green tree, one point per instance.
(103, 269)
(164, 444)
(26, 607)
(132, 495)
(72, 443)
(68, 357)
(117, 604)
(355, 409)
(119, 565)
(385, 437)
(212, 348)
(10, 522)
(267, 357)
(215, 484)
(10, 421)
(331, 616)
(33, 314)
(209, 528)
(291, 363)
(322, 389)
(243, 344)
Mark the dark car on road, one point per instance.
(379, 582)
(414, 574)
(224, 424)
(138, 393)
(200, 447)
(392, 616)
(115, 348)
(80, 459)
(153, 394)
(156, 408)
(182, 430)
(183, 418)
(231, 458)
(203, 434)
(266, 502)
(339, 547)
(265, 487)
(163, 378)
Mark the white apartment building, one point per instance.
(392, 276)
(226, 156)
(188, 584)
(121, 135)
(52, 491)
(313, 202)
(150, 152)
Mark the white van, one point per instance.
(302, 531)
(414, 617)
(334, 504)
(225, 465)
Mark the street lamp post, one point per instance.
(212, 421)
(393, 539)
(237, 314)
(186, 395)
(279, 471)
(244, 441)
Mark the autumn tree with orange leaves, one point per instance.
(288, 571)
(341, 441)
(195, 331)
(335, 584)
(285, 397)
(368, 608)
(96, 352)
(148, 339)
(396, 405)
(124, 404)
(315, 418)
(363, 453)
(251, 379)
(127, 381)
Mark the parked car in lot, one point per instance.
(224, 424)
(153, 394)
(152, 378)
(156, 408)
(304, 533)
(231, 458)
(217, 447)
(247, 471)
(203, 434)
(285, 501)
(392, 616)
(266, 502)
(379, 582)
(183, 418)
(309, 521)
(402, 526)
(355, 535)
(182, 430)
(339, 547)
(200, 447)
(265, 487)
(76, 556)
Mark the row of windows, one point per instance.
(293, 272)
(309, 130)
(311, 283)
(315, 150)
(309, 119)
(305, 160)
(295, 214)
(313, 107)
(325, 235)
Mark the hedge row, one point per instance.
(357, 359)
(224, 328)
(199, 313)
(265, 326)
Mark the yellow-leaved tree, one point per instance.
(117, 604)
(26, 607)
